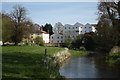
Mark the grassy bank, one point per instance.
(113, 58)
(78, 53)
(28, 62)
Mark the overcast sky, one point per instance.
(53, 12)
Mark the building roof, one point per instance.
(94, 25)
(41, 31)
(77, 23)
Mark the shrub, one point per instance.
(39, 41)
(113, 58)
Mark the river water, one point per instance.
(93, 66)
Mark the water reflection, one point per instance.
(88, 67)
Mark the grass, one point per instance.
(78, 53)
(27, 62)
(31, 49)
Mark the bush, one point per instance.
(113, 58)
(68, 42)
(39, 41)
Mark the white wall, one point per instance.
(45, 37)
(86, 28)
(56, 38)
(71, 30)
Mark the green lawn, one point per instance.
(78, 53)
(28, 62)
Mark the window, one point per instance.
(58, 37)
(65, 27)
(77, 31)
(52, 37)
(89, 27)
(81, 31)
(61, 41)
(85, 27)
(76, 27)
(69, 27)
(58, 41)
(81, 27)
(61, 37)
(73, 27)
(73, 36)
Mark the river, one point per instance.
(92, 66)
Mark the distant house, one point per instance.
(39, 33)
(57, 38)
(86, 29)
(62, 32)
(71, 31)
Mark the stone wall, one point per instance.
(115, 49)
(62, 56)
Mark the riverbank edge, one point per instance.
(57, 60)
(62, 56)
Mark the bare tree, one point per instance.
(58, 28)
(21, 23)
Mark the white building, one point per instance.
(71, 31)
(45, 37)
(57, 38)
(61, 32)
(40, 33)
(86, 29)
